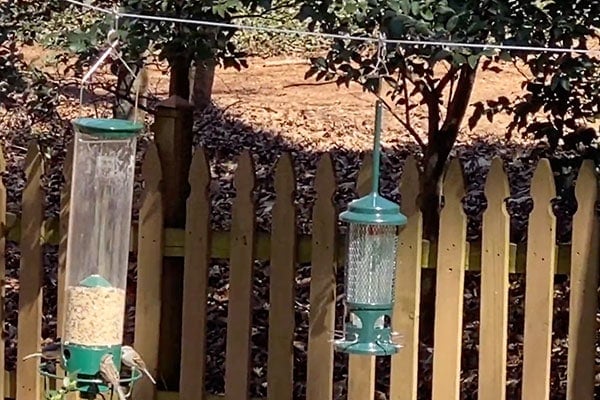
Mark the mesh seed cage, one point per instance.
(371, 264)
(373, 224)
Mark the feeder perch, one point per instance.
(373, 224)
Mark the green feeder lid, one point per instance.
(373, 209)
(95, 281)
(108, 128)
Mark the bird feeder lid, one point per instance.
(373, 209)
(108, 128)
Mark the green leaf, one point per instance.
(427, 15)
(415, 8)
(422, 28)
(458, 59)
(452, 23)
(473, 60)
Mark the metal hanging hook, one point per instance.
(112, 40)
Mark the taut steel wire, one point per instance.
(433, 43)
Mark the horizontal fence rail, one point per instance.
(174, 246)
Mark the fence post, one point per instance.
(173, 137)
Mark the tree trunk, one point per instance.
(204, 76)
(179, 83)
(440, 143)
(127, 84)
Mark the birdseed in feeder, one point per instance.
(94, 316)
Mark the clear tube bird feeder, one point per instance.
(373, 224)
(98, 242)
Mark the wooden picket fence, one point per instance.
(495, 256)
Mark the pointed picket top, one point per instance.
(285, 180)
(244, 179)
(409, 187)
(33, 160)
(325, 179)
(151, 168)
(364, 183)
(454, 184)
(587, 184)
(542, 185)
(497, 188)
(199, 176)
(68, 163)
(583, 299)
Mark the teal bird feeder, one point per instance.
(98, 248)
(373, 225)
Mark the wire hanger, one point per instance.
(112, 39)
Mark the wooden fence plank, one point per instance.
(29, 328)
(280, 364)
(361, 369)
(539, 289)
(149, 271)
(494, 286)
(195, 280)
(2, 262)
(239, 319)
(319, 385)
(584, 283)
(65, 196)
(449, 288)
(405, 364)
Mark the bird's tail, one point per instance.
(149, 376)
(32, 355)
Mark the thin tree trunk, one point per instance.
(204, 77)
(441, 141)
(127, 84)
(179, 83)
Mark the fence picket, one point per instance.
(494, 286)
(65, 196)
(149, 272)
(239, 319)
(3, 231)
(539, 289)
(319, 385)
(29, 329)
(280, 364)
(63, 231)
(584, 283)
(361, 369)
(195, 280)
(450, 288)
(405, 364)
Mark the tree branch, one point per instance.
(460, 101)
(410, 129)
(447, 78)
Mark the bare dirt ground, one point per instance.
(273, 94)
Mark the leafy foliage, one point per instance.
(69, 384)
(412, 70)
(22, 88)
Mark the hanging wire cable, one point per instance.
(409, 42)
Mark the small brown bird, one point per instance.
(50, 352)
(132, 359)
(109, 373)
